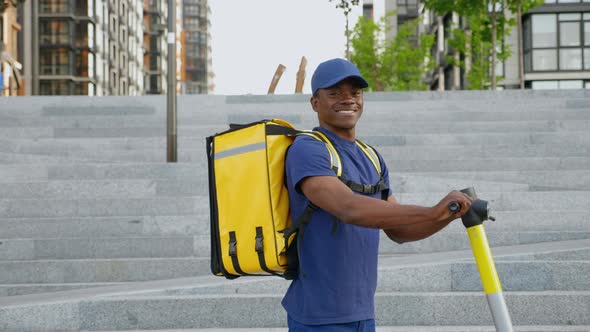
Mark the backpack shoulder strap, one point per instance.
(371, 154)
(335, 162)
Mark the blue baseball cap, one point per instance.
(330, 72)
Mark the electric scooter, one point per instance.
(473, 222)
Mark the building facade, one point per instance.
(556, 40)
(555, 45)
(155, 52)
(555, 50)
(196, 76)
(89, 47)
(10, 66)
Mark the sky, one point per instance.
(249, 40)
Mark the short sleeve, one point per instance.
(307, 157)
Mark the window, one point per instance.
(114, 80)
(82, 35)
(84, 64)
(368, 11)
(82, 88)
(123, 63)
(124, 87)
(544, 31)
(54, 87)
(191, 23)
(53, 6)
(570, 59)
(54, 61)
(573, 84)
(54, 32)
(569, 34)
(191, 9)
(555, 42)
(565, 1)
(544, 60)
(123, 37)
(564, 84)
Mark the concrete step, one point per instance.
(101, 270)
(67, 227)
(454, 277)
(386, 113)
(373, 138)
(392, 309)
(26, 289)
(56, 305)
(457, 152)
(449, 127)
(516, 170)
(468, 328)
(448, 240)
(88, 189)
(537, 180)
(363, 129)
(512, 201)
(100, 171)
(295, 113)
(521, 224)
(103, 207)
(524, 138)
(488, 164)
(193, 186)
(27, 132)
(119, 188)
(20, 158)
(551, 266)
(99, 247)
(461, 152)
(424, 183)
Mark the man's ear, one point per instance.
(314, 101)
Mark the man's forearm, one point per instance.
(370, 212)
(415, 232)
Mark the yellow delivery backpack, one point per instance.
(251, 228)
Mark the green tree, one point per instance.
(346, 6)
(483, 38)
(398, 64)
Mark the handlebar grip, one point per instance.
(454, 207)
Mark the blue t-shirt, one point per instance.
(337, 265)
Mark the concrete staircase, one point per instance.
(98, 233)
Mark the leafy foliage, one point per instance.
(398, 64)
(482, 40)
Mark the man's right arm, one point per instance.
(333, 196)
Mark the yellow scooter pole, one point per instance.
(473, 222)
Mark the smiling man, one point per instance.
(337, 278)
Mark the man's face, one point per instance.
(339, 107)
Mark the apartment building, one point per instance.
(155, 53)
(196, 75)
(86, 47)
(555, 38)
(10, 67)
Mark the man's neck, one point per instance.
(345, 134)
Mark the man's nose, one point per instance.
(347, 97)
